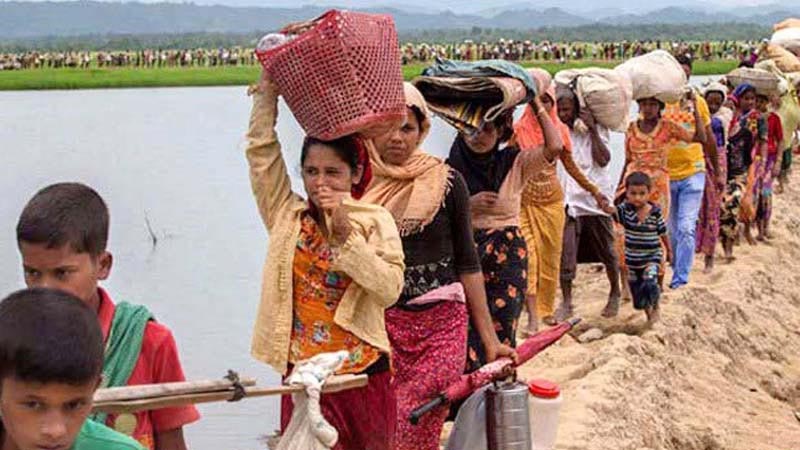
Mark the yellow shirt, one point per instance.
(685, 159)
(789, 113)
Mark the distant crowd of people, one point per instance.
(574, 51)
(411, 53)
(133, 59)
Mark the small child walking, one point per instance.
(646, 243)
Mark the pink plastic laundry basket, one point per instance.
(341, 75)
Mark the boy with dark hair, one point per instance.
(51, 361)
(645, 236)
(62, 235)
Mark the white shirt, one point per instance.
(580, 202)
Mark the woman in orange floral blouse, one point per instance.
(647, 142)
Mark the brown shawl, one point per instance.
(415, 191)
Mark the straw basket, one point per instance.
(341, 74)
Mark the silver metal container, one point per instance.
(507, 417)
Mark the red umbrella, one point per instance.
(500, 368)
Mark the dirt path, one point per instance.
(721, 371)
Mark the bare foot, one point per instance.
(563, 312)
(749, 236)
(760, 238)
(655, 315)
(550, 321)
(612, 308)
(728, 248)
(532, 327)
(529, 331)
(709, 265)
(627, 297)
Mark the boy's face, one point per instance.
(47, 416)
(714, 101)
(64, 269)
(637, 195)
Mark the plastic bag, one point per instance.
(308, 429)
(301, 430)
(273, 40)
(469, 431)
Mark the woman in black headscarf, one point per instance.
(495, 178)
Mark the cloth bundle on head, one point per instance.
(486, 68)
(764, 82)
(528, 134)
(414, 191)
(655, 75)
(770, 66)
(467, 94)
(787, 35)
(606, 94)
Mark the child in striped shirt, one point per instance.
(645, 237)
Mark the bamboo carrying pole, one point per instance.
(145, 391)
(124, 401)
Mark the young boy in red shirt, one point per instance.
(62, 235)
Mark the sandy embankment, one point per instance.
(721, 371)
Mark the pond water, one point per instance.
(174, 157)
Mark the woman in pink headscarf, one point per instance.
(543, 215)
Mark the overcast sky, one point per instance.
(477, 5)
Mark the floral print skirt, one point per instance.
(708, 220)
(731, 204)
(504, 260)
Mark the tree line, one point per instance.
(588, 33)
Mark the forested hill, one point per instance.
(22, 20)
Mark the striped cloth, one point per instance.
(642, 239)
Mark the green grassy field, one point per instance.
(221, 76)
